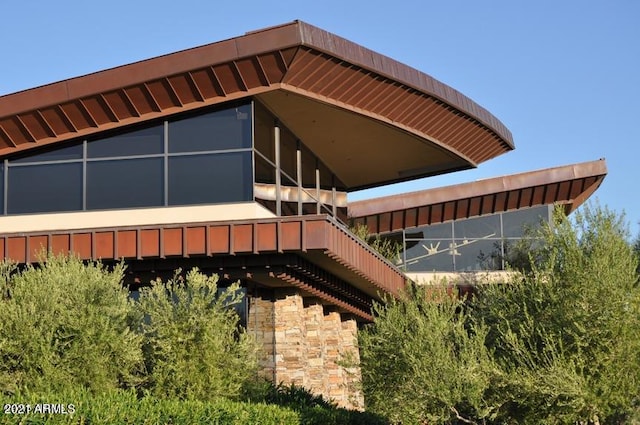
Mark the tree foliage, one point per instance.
(567, 333)
(420, 364)
(193, 346)
(388, 248)
(69, 325)
(66, 324)
(558, 343)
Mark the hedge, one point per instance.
(124, 407)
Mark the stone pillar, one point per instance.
(307, 345)
(351, 356)
(314, 318)
(290, 338)
(260, 324)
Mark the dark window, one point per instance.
(264, 123)
(60, 154)
(207, 179)
(142, 142)
(125, 183)
(288, 152)
(265, 172)
(227, 129)
(45, 188)
(309, 163)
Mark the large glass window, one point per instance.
(226, 129)
(479, 227)
(125, 183)
(203, 179)
(435, 231)
(477, 254)
(263, 127)
(429, 255)
(147, 141)
(45, 188)
(479, 243)
(207, 159)
(516, 224)
(60, 154)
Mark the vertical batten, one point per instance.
(334, 209)
(276, 142)
(299, 175)
(318, 204)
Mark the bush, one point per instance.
(419, 362)
(123, 407)
(313, 409)
(194, 348)
(66, 324)
(567, 333)
(558, 343)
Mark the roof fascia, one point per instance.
(480, 188)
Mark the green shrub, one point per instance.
(313, 409)
(123, 407)
(194, 348)
(66, 324)
(420, 364)
(567, 332)
(559, 343)
(388, 248)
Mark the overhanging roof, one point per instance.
(569, 185)
(313, 253)
(371, 119)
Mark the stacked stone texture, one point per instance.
(307, 345)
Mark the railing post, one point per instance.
(276, 141)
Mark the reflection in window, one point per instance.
(477, 254)
(226, 129)
(479, 227)
(517, 224)
(45, 188)
(148, 141)
(125, 183)
(429, 255)
(435, 231)
(203, 179)
(491, 242)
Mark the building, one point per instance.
(237, 157)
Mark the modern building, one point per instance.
(238, 156)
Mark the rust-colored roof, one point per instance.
(569, 185)
(343, 100)
(313, 253)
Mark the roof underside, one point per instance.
(385, 117)
(569, 185)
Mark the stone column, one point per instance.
(260, 324)
(290, 337)
(307, 346)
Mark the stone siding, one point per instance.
(304, 343)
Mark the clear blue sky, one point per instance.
(563, 76)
